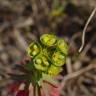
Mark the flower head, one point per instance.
(47, 57)
(50, 52)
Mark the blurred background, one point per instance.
(22, 21)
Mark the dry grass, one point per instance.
(22, 21)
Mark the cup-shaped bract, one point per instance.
(54, 70)
(41, 62)
(62, 46)
(48, 40)
(58, 58)
(33, 49)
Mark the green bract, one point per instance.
(58, 58)
(41, 62)
(48, 40)
(49, 54)
(62, 46)
(54, 70)
(33, 49)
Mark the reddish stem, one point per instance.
(50, 83)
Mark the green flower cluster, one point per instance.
(49, 54)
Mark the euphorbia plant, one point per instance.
(47, 56)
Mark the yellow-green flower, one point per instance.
(54, 70)
(62, 46)
(58, 58)
(48, 40)
(48, 55)
(57, 12)
(41, 63)
(33, 49)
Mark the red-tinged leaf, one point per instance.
(55, 92)
(13, 87)
(22, 93)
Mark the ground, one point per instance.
(22, 21)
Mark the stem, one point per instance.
(39, 91)
(50, 84)
(34, 89)
(45, 90)
(84, 30)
